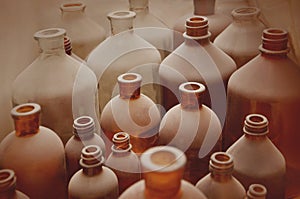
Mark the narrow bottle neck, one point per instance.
(84, 128)
(91, 160)
(121, 21)
(204, 7)
(256, 191)
(7, 184)
(130, 85)
(138, 6)
(221, 166)
(256, 127)
(191, 95)
(245, 14)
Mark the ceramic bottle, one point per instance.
(256, 191)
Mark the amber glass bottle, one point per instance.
(36, 154)
(8, 185)
(131, 112)
(163, 167)
(275, 93)
(256, 191)
(124, 162)
(84, 134)
(194, 128)
(220, 183)
(94, 180)
(257, 160)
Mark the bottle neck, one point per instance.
(191, 95)
(256, 191)
(84, 127)
(121, 21)
(204, 7)
(72, 11)
(245, 14)
(221, 166)
(7, 183)
(256, 127)
(197, 30)
(91, 160)
(138, 6)
(129, 85)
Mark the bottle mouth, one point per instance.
(192, 87)
(197, 27)
(83, 124)
(25, 109)
(257, 190)
(72, 6)
(122, 14)
(50, 33)
(256, 124)
(130, 78)
(6, 176)
(245, 12)
(221, 162)
(121, 141)
(274, 40)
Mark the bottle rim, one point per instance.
(25, 109)
(72, 6)
(50, 33)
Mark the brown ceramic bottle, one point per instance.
(124, 162)
(269, 85)
(36, 154)
(131, 112)
(256, 191)
(8, 185)
(193, 128)
(93, 181)
(84, 134)
(220, 183)
(257, 160)
(163, 167)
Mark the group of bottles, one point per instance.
(144, 96)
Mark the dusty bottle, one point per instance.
(8, 185)
(62, 86)
(131, 112)
(163, 167)
(241, 39)
(273, 72)
(220, 183)
(84, 134)
(123, 161)
(193, 128)
(197, 60)
(94, 180)
(256, 159)
(123, 52)
(256, 191)
(36, 155)
(85, 33)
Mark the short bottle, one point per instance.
(163, 167)
(256, 191)
(8, 185)
(220, 183)
(84, 134)
(131, 112)
(256, 159)
(40, 164)
(193, 128)
(94, 180)
(123, 161)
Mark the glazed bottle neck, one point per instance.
(197, 30)
(221, 166)
(139, 6)
(91, 160)
(256, 191)
(256, 127)
(72, 11)
(204, 7)
(191, 95)
(245, 14)
(84, 128)
(121, 21)
(7, 184)
(129, 85)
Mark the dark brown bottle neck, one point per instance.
(197, 30)
(221, 166)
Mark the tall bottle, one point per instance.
(273, 92)
(8, 185)
(217, 22)
(123, 161)
(131, 112)
(256, 191)
(84, 134)
(256, 159)
(64, 87)
(86, 34)
(220, 183)
(36, 155)
(193, 128)
(163, 168)
(241, 39)
(94, 180)
(123, 52)
(197, 60)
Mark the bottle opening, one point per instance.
(6, 175)
(197, 21)
(50, 33)
(256, 124)
(25, 109)
(221, 162)
(257, 190)
(121, 14)
(84, 120)
(275, 34)
(130, 78)
(74, 6)
(245, 12)
(192, 87)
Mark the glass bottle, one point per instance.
(85, 33)
(123, 161)
(94, 180)
(163, 167)
(220, 183)
(123, 52)
(36, 155)
(197, 60)
(242, 37)
(131, 112)
(62, 86)
(273, 92)
(84, 134)
(256, 159)
(256, 191)
(8, 185)
(217, 22)
(227, 6)
(193, 128)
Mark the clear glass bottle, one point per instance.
(62, 86)
(241, 39)
(256, 159)
(94, 180)
(220, 183)
(123, 161)
(163, 167)
(36, 155)
(256, 191)
(8, 185)
(84, 134)
(193, 128)
(86, 34)
(124, 52)
(131, 112)
(274, 92)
